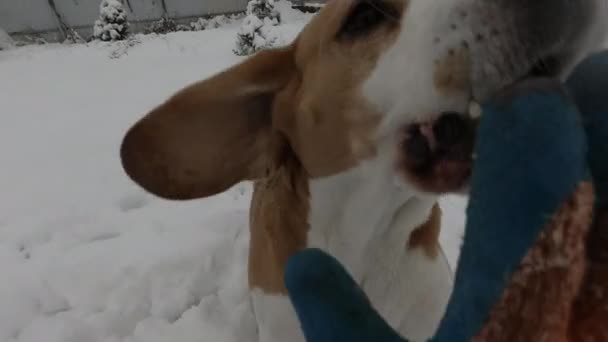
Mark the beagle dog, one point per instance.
(351, 133)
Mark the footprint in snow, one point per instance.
(132, 202)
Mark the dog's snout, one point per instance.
(515, 39)
(417, 147)
(450, 129)
(449, 137)
(555, 25)
(438, 154)
(545, 13)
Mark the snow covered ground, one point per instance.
(85, 255)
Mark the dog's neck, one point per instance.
(365, 212)
(362, 212)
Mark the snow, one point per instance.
(6, 42)
(86, 256)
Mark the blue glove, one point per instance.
(531, 159)
(532, 155)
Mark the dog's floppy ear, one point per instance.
(210, 135)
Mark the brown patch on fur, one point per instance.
(210, 135)
(333, 127)
(537, 305)
(426, 236)
(453, 72)
(279, 222)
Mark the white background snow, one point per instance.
(85, 255)
(5, 40)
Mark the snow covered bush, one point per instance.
(165, 25)
(258, 30)
(212, 23)
(263, 9)
(6, 42)
(307, 6)
(112, 23)
(200, 24)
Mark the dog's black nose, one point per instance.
(451, 128)
(438, 155)
(455, 136)
(450, 137)
(418, 148)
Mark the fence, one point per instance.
(46, 17)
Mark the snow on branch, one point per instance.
(112, 23)
(258, 30)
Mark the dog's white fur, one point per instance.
(408, 288)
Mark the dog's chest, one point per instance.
(364, 219)
(369, 234)
(353, 216)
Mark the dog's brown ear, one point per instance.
(210, 135)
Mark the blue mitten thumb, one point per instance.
(330, 305)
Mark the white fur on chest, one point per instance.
(353, 213)
(365, 218)
(276, 318)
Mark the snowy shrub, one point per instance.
(161, 26)
(182, 27)
(164, 26)
(200, 24)
(258, 30)
(263, 9)
(6, 42)
(112, 23)
(212, 23)
(307, 7)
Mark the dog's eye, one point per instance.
(366, 16)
